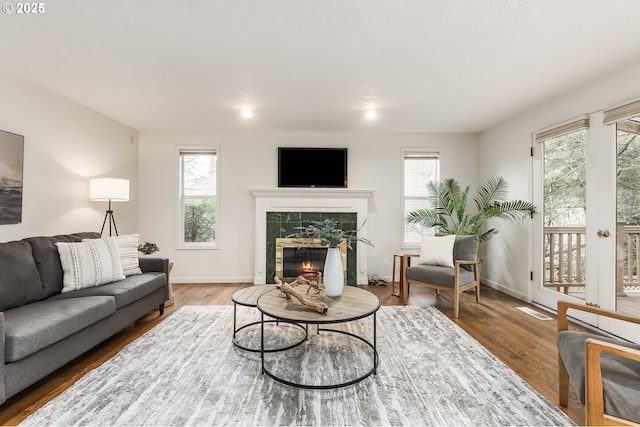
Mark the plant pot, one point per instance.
(333, 273)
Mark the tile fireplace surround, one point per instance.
(305, 201)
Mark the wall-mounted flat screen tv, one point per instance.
(312, 167)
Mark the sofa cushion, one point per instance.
(45, 254)
(19, 281)
(620, 376)
(124, 291)
(89, 263)
(437, 275)
(34, 326)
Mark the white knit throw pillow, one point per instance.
(128, 247)
(89, 263)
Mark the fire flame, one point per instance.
(306, 266)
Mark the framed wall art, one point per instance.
(11, 173)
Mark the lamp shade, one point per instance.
(115, 189)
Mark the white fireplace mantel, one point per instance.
(309, 200)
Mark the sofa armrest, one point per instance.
(151, 264)
(594, 396)
(159, 265)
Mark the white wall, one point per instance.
(504, 150)
(248, 160)
(65, 144)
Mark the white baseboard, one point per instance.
(497, 286)
(211, 279)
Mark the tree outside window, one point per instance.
(198, 196)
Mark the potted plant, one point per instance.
(328, 233)
(449, 211)
(148, 248)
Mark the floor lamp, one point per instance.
(109, 189)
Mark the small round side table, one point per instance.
(248, 297)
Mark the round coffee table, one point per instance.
(248, 297)
(354, 304)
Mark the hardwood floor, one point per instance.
(525, 344)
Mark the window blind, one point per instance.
(562, 130)
(420, 155)
(621, 113)
(196, 151)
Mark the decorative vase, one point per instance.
(333, 273)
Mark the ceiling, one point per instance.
(317, 65)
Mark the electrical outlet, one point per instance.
(385, 263)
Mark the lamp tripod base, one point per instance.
(108, 216)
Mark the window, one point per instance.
(419, 168)
(198, 197)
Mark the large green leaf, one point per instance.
(449, 208)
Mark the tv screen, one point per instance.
(312, 167)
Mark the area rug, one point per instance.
(186, 371)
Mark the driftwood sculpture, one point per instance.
(313, 285)
(289, 291)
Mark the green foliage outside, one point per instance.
(628, 178)
(565, 179)
(200, 221)
(565, 160)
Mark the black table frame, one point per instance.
(305, 328)
(372, 345)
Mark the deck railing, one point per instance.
(564, 253)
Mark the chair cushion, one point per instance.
(35, 326)
(466, 248)
(438, 275)
(124, 291)
(620, 376)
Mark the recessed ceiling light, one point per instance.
(370, 115)
(247, 113)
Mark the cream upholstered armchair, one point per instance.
(605, 371)
(446, 263)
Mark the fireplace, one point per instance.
(302, 257)
(278, 211)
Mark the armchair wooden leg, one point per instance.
(563, 383)
(456, 304)
(404, 288)
(478, 293)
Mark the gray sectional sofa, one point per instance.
(42, 329)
